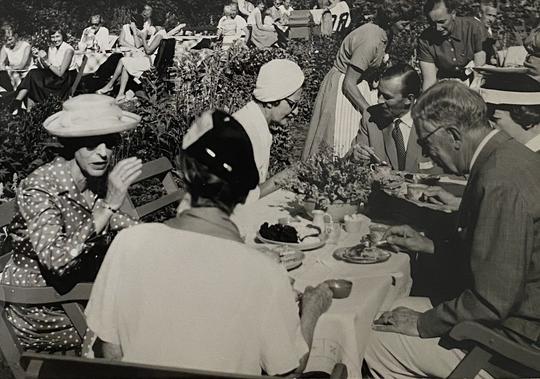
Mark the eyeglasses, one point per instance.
(292, 104)
(423, 142)
(110, 140)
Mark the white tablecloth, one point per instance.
(343, 332)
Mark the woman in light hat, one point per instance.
(228, 307)
(274, 101)
(65, 210)
(514, 104)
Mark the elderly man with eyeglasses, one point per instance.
(497, 241)
(275, 100)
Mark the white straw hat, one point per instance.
(90, 115)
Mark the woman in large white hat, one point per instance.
(65, 210)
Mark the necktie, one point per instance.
(400, 145)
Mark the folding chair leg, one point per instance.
(471, 364)
(75, 313)
(10, 347)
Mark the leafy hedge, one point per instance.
(205, 79)
(208, 79)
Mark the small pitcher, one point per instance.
(320, 219)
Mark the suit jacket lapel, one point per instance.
(390, 146)
(414, 152)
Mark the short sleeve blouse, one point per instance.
(364, 48)
(452, 54)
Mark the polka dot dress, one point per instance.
(51, 234)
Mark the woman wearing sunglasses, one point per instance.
(65, 211)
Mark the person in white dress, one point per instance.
(96, 36)
(129, 35)
(54, 76)
(135, 66)
(148, 26)
(15, 61)
(231, 26)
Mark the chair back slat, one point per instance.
(10, 347)
(78, 78)
(59, 367)
(7, 212)
(160, 168)
(154, 168)
(162, 202)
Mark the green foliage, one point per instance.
(327, 179)
(25, 144)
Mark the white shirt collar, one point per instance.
(481, 146)
(405, 127)
(406, 119)
(534, 143)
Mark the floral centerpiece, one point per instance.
(326, 180)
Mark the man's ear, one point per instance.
(457, 137)
(410, 99)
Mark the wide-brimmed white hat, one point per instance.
(90, 115)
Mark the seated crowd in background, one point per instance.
(134, 66)
(54, 75)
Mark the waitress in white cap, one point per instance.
(275, 99)
(65, 210)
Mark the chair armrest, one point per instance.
(473, 331)
(339, 371)
(43, 295)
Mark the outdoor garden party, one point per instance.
(252, 188)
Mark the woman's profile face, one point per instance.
(94, 159)
(57, 39)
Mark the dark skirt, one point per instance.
(5, 81)
(42, 83)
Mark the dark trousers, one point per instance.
(5, 81)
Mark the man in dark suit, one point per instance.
(497, 241)
(386, 131)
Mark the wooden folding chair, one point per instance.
(494, 353)
(162, 169)
(80, 73)
(42, 366)
(9, 343)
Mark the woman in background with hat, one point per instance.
(274, 101)
(228, 307)
(64, 211)
(514, 105)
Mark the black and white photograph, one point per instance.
(269, 188)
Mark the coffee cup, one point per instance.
(340, 288)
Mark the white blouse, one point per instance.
(56, 55)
